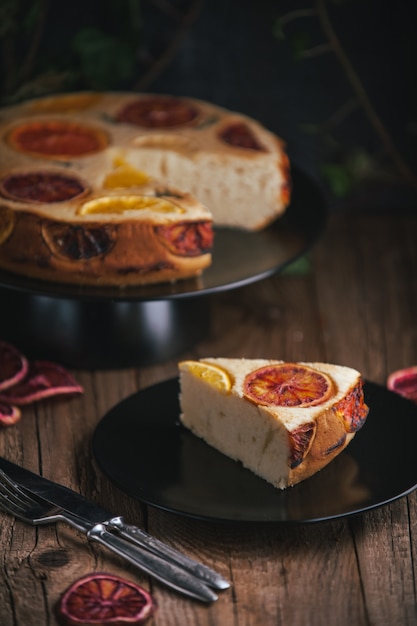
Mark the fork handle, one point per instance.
(164, 571)
(142, 538)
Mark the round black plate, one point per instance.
(144, 450)
(239, 257)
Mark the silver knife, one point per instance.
(94, 514)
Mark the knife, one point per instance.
(93, 514)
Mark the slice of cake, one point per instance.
(283, 421)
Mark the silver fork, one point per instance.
(15, 501)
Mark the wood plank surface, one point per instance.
(355, 305)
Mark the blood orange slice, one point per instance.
(99, 599)
(287, 385)
(13, 365)
(41, 187)
(404, 382)
(158, 112)
(57, 139)
(240, 135)
(187, 238)
(43, 379)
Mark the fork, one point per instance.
(16, 501)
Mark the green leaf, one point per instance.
(338, 178)
(105, 61)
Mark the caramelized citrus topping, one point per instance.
(7, 220)
(187, 238)
(287, 385)
(121, 204)
(41, 187)
(211, 374)
(72, 242)
(352, 409)
(66, 104)
(99, 599)
(301, 440)
(239, 134)
(57, 138)
(124, 175)
(158, 112)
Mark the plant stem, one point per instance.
(362, 95)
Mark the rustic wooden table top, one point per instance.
(357, 306)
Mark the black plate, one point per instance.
(144, 450)
(239, 257)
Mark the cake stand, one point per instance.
(105, 328)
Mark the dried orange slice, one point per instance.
(99, 599)
(404, 382)
(287, 385)
(187, 238)
(212, 374)
(240, 135)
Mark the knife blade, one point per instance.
(80, 506)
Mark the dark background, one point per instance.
(336, 80)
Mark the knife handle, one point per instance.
(142, 538)
(167, 573)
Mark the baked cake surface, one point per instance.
(122, 188)
(284, 444)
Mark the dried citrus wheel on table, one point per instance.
(404, 382)
(43, 379)
(212, 374)
(13, 365)
(100, 599)
(287, 385)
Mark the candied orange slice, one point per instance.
(121, 204)
(125, 175)
(287, 385)
(101, 599)
(57, 138)
(66, 104)
(211, 374)
(7, 220)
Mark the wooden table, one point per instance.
(357, 306)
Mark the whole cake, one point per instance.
(122, 188)
(283, 421)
